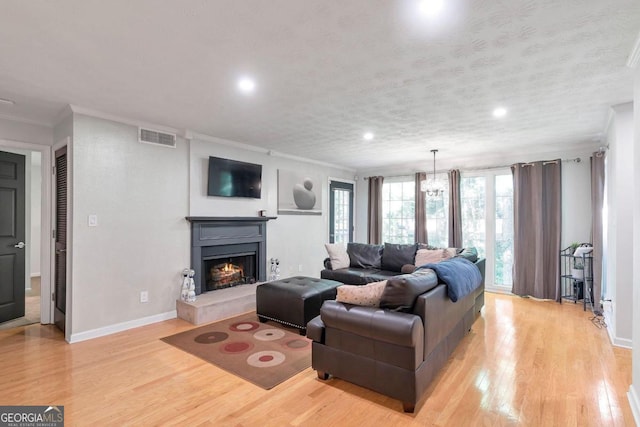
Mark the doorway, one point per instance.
(341, 212)
(34, 275)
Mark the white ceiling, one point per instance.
(327, 71)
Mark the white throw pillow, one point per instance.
(428, 256)
(338, 255)
(366, 295)
(449, 253)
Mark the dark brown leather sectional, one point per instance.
(394, 352)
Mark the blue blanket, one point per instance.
(460, 275)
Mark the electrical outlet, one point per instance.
(299, 268)
(144, 296)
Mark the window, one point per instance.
(340, 212)
(504, 230)
(437, 209)
(487, 221)
(472, 200)
(398, 211)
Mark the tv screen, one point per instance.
(232, 178)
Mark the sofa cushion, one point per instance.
(401, 292)
(363, 255)
(364, 295)
(428, 256)
(470, 254)
(357, 276)
(395, 256)
(338, 255)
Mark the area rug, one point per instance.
(264, 354)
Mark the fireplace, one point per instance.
(228, 251)
(229, 265)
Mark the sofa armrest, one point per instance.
(315, 330)
(403, 329)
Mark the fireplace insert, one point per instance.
(227, 271)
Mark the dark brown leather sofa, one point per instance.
(395, 353)
(372, 263)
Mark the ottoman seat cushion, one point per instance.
(293, 301)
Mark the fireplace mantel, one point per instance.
(228, 218)
(210, 234)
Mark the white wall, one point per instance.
(634, 390)
(296, 240)
(25, 132)
(619, 269)
(140, 195)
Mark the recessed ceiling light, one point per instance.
(430, 7)
(7, 101)
(246, 85)
(499, 112)
(368, 136)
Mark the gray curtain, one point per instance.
(455, 210)
(421, 212)
(537, 204)
(375, 210)
(597, 201)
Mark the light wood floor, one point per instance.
(524, 363)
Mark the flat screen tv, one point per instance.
(232, 178)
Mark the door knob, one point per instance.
(61, 251)
(19, 245)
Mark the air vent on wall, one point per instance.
(150, 136)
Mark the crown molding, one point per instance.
(254, 148)
(114, 118)
(634, 57)
(312, 161)
(202, 137)
(24, 120)
(62, 115)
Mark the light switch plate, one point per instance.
(93, 220)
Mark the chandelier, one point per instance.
(431, 187)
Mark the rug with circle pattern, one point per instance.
(265, 354)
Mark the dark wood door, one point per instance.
(12, 236)
(60, 256)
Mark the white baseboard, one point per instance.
(615, 340)
(119, 327)
(35, 274)
(634, 401)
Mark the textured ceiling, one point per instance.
(327, 72)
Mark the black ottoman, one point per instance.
(293, 301)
